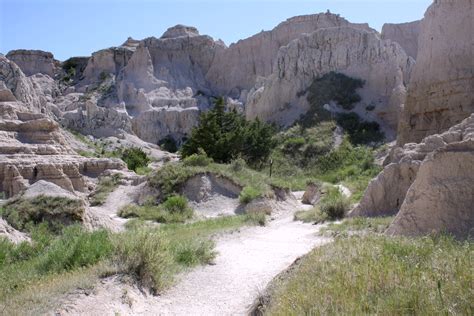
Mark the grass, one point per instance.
(357, 225)
(379, 275)
(106, 185)
(174, 209)
(313, 215)
(34, 276)
(22, 214)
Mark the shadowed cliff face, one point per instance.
(441, 91)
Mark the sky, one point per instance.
(79, 27)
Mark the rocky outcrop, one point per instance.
(34, 61)
(357, 53)
(398, 187)
(90, 119)
(405, 34)
(441, 92)
(105, 62)
(441, 199)
(20, 86)
(238, 67)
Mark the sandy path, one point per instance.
(247, 261)
(106, 214)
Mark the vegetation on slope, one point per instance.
(171, 177)
(24, 214)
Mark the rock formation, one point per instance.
(237, 68)
(357, 53)
(441, 92)
(32, 146)
(422, 175)
(441, 199)
(34, 61)
(405, 34)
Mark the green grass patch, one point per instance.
(379, 275)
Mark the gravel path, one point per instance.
(247, 261)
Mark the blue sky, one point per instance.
(79, 27)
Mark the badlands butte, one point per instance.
(417, 87)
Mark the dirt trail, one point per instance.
(106, 214)
(247, 261)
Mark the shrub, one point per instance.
(194, 252)
(315, 215)
(238, 164)
(197, 160)
(135, 158)
(168, 144)
(334, 204)
(145, 255)
(177, 204)
(257, 217)
(360, 132)
(248, 194)
(227, 135)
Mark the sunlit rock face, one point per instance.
(238, 67)
(357, 53)
(405, 34)
(441, 92)
(34, 61)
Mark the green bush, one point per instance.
(248, 194)
(360, 132)
(334, 204)
(144, 254)
(194, 252)
(135, 158)
(238, 164)
(197, 160)
(259, 218)
(168, 144)
(225, 136)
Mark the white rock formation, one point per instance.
(34, 61)
(238, 67)
(441, 199)
(357, 53)
(441, 91)
(405, 34)
(437, 170)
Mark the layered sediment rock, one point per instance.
(405, 34)
(357, 53)
(441, 92)
(34, 61)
